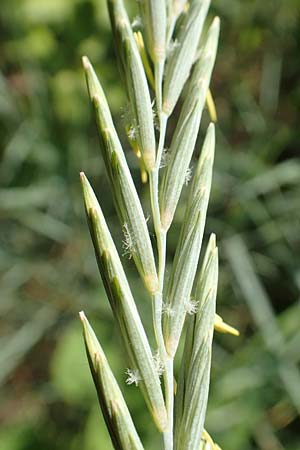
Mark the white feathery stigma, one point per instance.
(188, 175)
(128, 243)
(168, 310)
(133, 376)
(165, 158)
(191, 306)
(136, 23)
(159, 365)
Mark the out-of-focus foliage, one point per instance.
(47, 267)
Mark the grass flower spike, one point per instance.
(154, 75)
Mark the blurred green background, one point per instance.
(48, 270)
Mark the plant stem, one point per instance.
(158, 297)
(163, 119)
(158, 74)
(161, 246)
(157, 313)
(169, 391)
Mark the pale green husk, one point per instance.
(193, 386)
(114, 409)
(183, 56)
(136, 80)
(189, 246)
(184, 139)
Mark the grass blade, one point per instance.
(263, 315)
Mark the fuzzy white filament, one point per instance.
(172, 46)
(191, 306)
(165, 158)
(131, 133)
(136, 23)
(188, 175)
(159, 365)
(128, 242)
(168, 310)
(133, 377)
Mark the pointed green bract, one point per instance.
(114, 409)
(190, 335)
(181, 281)
(183, 56)
(155, 23)
(154, 16)
(201, 183)
(136, 80)
(174, 9)
(95, 91)
(193, 384)
(125, 196)
(189, 245)
(123, 306)
(186, 132)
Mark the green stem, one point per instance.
(169, 391)
(161, 246)
(163, 128)
(157, 309)
(158, 74)
(157, 312)
(153, 181)
(161, 238)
